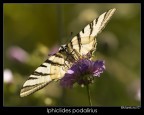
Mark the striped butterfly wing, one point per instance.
(85, 41)
(51, 69)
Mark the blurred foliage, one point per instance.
(40, 28)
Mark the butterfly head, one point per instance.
(63, 48)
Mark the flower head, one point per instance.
(83, 72)
(18, 54)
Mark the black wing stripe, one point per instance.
(96, 21)
(32, 78)
(29, 86)
(83, 30)
(53, 63)
(91, 28)
(39, 73)
(43, 65)
(71, 45)
(79, 41)
(58, 55)
(104, 18)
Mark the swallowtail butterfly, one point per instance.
(55, 67)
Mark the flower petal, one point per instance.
(70, 71)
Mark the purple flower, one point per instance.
(18, 54)
(83, 72)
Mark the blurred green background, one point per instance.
(32, 31)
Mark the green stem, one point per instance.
(89, 97)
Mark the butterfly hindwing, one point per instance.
(51, 69)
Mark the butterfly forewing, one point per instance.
(51, 69)
(85, 40)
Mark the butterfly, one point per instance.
(55, 67)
